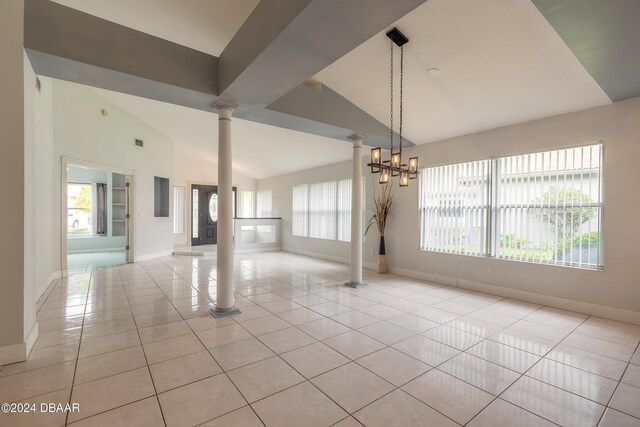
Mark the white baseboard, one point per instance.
(43, 287)
(155, 255)
(19, 352)
(253, 251)
(608, 312)
(90, 251)
(326, 257)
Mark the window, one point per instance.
(264, 204)
(178, 210)
(246, 204)
(322, 210)
(79, 209)
(542, 207)
(455, 206)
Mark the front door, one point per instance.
(204, 215)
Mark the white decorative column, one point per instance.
(225, 301)
(356, 215)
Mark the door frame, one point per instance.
(131, 235)
(189, 206)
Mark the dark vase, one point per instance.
(381, 249)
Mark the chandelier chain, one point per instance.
(401, 92)
(391, 97)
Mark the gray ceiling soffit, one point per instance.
(64, 32)
(284, 42)
(323, 105)
(605, 37)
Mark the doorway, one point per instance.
(204, 214)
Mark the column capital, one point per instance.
(220, 105)
(357, 137)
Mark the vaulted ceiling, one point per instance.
(500, 63)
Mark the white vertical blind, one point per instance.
(549, 207)
(300, 225)
(344, 210)
(178, 209)
(246, 204)
(322, 210)
(455, 205)
(264, 204)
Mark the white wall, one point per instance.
(192, 169)
(617, 125)
(81, 132)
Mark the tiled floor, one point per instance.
(135, 342)
(81, 263)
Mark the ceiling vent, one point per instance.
(139, 143)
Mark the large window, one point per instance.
(322, 210)
(79, 209)
(264, 204)
(542, 207)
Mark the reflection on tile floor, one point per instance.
(135, 343)
(81, 263)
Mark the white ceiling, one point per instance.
(204, 25)
(500, 63)
(259, 151)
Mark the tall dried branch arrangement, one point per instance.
(381, 208)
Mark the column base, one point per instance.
(356, 285)
(223, 312)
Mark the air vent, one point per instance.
(139, 143)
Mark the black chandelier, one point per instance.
(394, 166)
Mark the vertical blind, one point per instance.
(264, 204)
(178, 209)
(455, 205)
(322, 210)
(543, 207)
(246, 204)
(549, 207)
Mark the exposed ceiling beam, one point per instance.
(284, 42)
(604, 36)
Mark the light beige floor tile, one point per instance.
(598, 346)
(223, 335)
(157, 318)
(632, 376)
(400, 409)
(587, 361)
(314, 359)
(301, 405)
(286, 340)
(355, 319)
(264, 378)
(109, 393)
(453, 337)
(348, 422)
(626, 399)
(50, 339)
(251, 312)
(381, 311)
(143, 413)
(474, 326)
(485, 375)
(352, 387)
(199, 402)
(162, 332)
(58, 324)
(393, 366)
(209, 322)
(106, 364)
(608, 334)
(550, 333)
(493, 318)
(323, 328)
(103, 344)
(614, 324)
(159, 351)
(503, 414)
(183, 370)
(108, 327)
(450, 396)
(574, 380)
(241, 353)
(264, 325)
(386, 333)
(523, 341)
(552, 403)
(503, 355)
(435, 315)
(243, 417)
(613, 418)
(17, 387)
(413, 323)
(39, 418)
(353, 344)
(299, 316)
(42, 358)
(427, 350)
